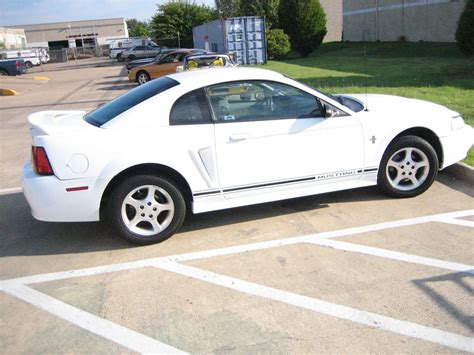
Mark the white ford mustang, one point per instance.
(215, 139)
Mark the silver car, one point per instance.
(139, 52)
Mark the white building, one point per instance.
(75, 33)
(13, 38)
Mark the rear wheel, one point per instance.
(131, 57)
(146, 209)
(3, 73)
(29, 64)
(142, 77)
(409, 167)
(119, 57)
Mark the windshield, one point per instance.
(128, 100)
(331, 96)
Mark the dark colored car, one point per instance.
(139, 62)
(12, 67)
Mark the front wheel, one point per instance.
(142, 77)
(29, 64)
(146, 209)
(408, 168)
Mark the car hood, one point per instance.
(388, 105)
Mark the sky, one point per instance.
(24, 12)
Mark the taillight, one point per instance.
(17, 64)
(41, 161)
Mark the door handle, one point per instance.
(238, 137)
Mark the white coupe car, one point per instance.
(213, 139)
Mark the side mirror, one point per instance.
(329, 112)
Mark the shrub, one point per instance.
(278, 43)
(465, 32)
(305, 22)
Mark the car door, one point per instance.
(270, 133)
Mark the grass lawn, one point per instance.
(436, 72)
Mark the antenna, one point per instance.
(366, 78)
(364, 39)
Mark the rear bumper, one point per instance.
(456, 145)
(49, 200)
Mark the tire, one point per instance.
(142, 77)
(3, 72)
(29, 64)
(146, 209)
(408, 168)
(131, 57)
(119, 57)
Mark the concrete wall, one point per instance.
(392, 20)
(41, 34)
(13, 38)
(333, 9)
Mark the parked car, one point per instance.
(118, 45)
(189, 142)
(12, 67)
(165, 65)
(205, 140)
(140, 62)
(140, 52)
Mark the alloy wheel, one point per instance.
(147, 210)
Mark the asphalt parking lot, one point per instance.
(352, 271)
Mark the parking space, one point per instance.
(352, 271)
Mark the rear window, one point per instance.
(125, 102)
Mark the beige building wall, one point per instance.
(394, 20)
(13, 38)
(333, 9)
(40, 34)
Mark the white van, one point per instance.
(117, 46)
(29, 56)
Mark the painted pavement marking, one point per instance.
(141, 343)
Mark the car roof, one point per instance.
(220, 74)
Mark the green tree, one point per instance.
(228, 8)
(138, 28)
(267, 8)
(278, 43)
(177, 18)
(305, 22)
(465, 31)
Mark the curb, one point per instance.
(461, 171)
(40, 78)
(8, 92)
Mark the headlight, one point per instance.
(457, 122)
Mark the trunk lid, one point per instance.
(57, 122)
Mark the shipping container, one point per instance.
(243, 36)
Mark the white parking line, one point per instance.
(374, 320)
(136, 341)
(99, 326)
(394, 255)
(459, 222)
(12, 190)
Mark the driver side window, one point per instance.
(261, 101)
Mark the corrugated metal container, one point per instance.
(244, 36)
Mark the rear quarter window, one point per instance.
(130, 99)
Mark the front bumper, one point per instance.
(49, 200)
(456, 145)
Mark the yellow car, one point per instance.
(165, 65)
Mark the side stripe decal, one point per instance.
(320, 177)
